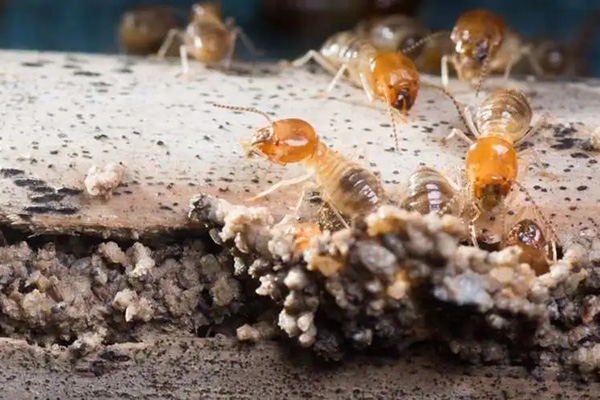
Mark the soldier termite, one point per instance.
(347, 187)
(208, 38)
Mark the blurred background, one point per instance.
(287, 28)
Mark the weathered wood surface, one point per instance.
(61, 114)
(215, 369)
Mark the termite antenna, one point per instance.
(538, 210)
(245, 109)
(448, 205)
(482, 74)
(423, 40)
(394, 127)
(459, 110)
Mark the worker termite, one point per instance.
(388, 76)
(429, 191)
(547, 57)
(501, 122)
(477, 35)
(347, 187)
(208, 38)
(542, 57)
(143, 30)
(535, 249)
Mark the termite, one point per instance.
(501, 122)
(208, 38)
(510, 52)
(543, 57)
(143, 30)
(429, 191)
(346, 186)
(482, 44)
(550, 58)
(477, 35)
(388, 76)
(536, 250)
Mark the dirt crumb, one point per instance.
(101, 181)
(112, 253)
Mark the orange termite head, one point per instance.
(284, 141)
(491, 165)
(477, 36)
(396, 80)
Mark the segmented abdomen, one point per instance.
(505, 113)
(429, 191)
(347, 47)
(347, 186)
(397, 31)
(207, 40)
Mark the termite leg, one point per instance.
(338, 75)
(535, 65)
(503, 211)
(183, 55)
(303, 197)
(300, 201)
(229, 22)
(280, 184)
(246, 41)
(470, 124)
(338, 214)
(233, 36)
(319, 59)
(171, 35)
(524, 50)
(538, 161)
(445, 73)
(460, 134)
(367, 88)
(472, 226)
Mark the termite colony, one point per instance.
(383, 57)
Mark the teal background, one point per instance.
(90, 25)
